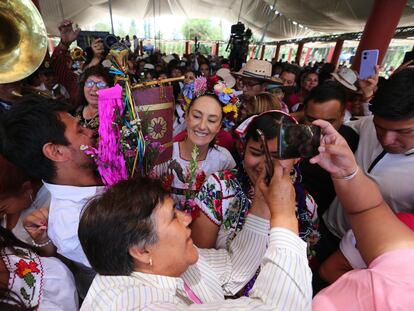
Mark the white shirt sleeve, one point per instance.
(226, 159)
(284, 282)
(350, 251)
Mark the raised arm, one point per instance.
(377, 229)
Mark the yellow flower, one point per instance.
(228, 90)
(157, 128)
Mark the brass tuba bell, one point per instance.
(23, 40)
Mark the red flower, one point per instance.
(228, 175)
(217, 206)
(24, 268)
(212, 81)
(200, 178)
(234, 100)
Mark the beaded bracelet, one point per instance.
(350, 176)
(40, 245)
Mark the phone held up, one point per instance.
(294, 141)
(369, 59)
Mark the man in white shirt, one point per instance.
(40, 136)
(386, 148)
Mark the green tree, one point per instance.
(132, 28)
(102, 27)
(204, 29)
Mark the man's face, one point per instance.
(395, 136)
(288, 78)
(252, 87)
(77, 136)
(330, 111)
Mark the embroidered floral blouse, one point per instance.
(224, 202)
(39, 281)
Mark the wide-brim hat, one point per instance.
(347, 77)
(227, 77)
(259, 70)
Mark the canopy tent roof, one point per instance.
(286, 19)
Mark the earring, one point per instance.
(150, 261)
(293, 175)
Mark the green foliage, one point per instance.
(132, 29)
(204, 29)
(102, 27)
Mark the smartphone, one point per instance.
(298, 141)
(369, 59)
(408, 56)
(268, 157)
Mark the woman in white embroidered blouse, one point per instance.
(35, 281)
(204, 120)
(225, 198)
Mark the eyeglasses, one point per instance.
(99, 84)
(251, 83)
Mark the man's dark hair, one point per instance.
(328, 90)
(394, 99)
(291, 69)
(118, 219)
(26, 128)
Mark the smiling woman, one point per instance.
(94, 79)
(204, 120)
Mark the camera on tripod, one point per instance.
(239, 45)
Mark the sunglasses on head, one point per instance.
(99, 84)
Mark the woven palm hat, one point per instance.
(259, 70)
(347, 77)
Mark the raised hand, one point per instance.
(36, 225)
(369, 85)
(280, 197)
(335, 155)
(67, 33)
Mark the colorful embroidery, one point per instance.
(26, 274)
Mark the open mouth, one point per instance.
(200, 134)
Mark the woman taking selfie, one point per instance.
(226, 197)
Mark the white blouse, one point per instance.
(42, 281)
(217, 159)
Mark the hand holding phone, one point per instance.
(369, 59)
(298, 141)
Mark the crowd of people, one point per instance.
(329, 232)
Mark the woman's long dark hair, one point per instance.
(269, 124)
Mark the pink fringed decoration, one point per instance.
(111, 164)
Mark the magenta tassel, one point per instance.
(111, 164)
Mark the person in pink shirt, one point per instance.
(385, 243)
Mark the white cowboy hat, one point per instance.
(259, 70)
(347, 77)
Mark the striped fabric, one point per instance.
(283, 284)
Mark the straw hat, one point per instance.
(225, 74)
(259, 70)
(347, 77)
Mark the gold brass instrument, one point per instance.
(23, 40)
(157, 82)
(77, 54)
